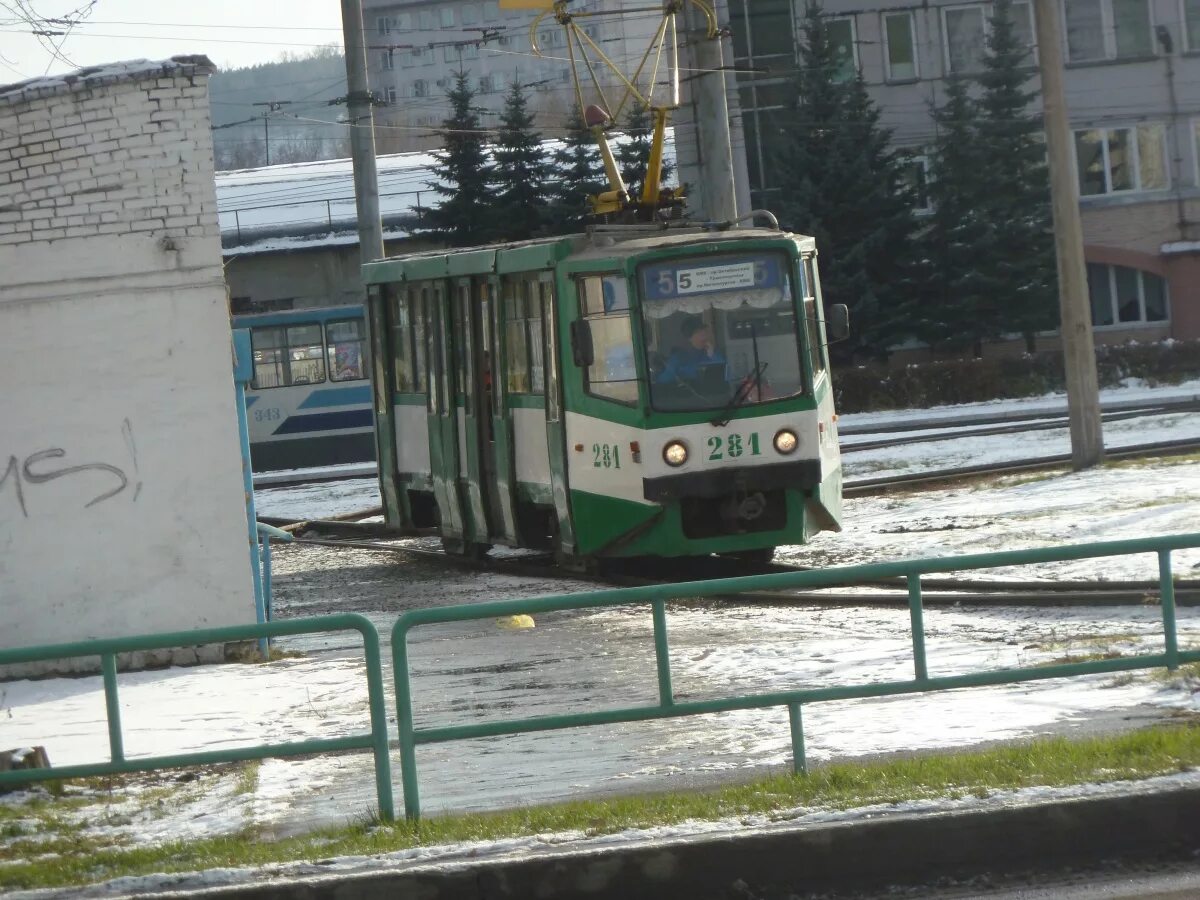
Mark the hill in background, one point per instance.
(303, 128)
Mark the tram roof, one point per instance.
(540, 253)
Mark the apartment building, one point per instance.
(417, 47)
(1133, 96)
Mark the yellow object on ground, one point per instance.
(515, 622)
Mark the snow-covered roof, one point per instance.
(304, 206)
(110, 73)
(1174, 247)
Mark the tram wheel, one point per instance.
(467, 549)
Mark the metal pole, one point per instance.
(267, 136)
(1079, 354)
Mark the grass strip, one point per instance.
(71, 855)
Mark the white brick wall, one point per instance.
(121, 502)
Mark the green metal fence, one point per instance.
(794, 700)
(375, 740)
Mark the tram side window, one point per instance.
(270, 357)
(306, 351)
(812, 325)
(285, 356)
(347, 342)
(525, 370)
(408, 341)
(605, 301)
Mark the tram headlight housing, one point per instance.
(675, 454)
(786, 441)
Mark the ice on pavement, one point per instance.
(606, 658)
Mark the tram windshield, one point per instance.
(720, 331)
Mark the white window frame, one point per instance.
(1141, 321)
(383, 25)
(391, 96)
(988, 10)
(402, 22)
(1109, 34)
(386, 62)
(887, 56)
(420, 88)
(446, 17)
(1136, 161)
(856, 64)
(922, 160)
(1183, 28)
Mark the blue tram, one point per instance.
(310, 401)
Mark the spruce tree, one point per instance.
(578, 173)
(956, 305)
(463, 173)
(633, 153)
(1022, 267)
(841, 182)
(522, 170)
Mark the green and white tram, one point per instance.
(631, 392)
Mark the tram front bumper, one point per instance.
(803, 474)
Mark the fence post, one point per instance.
(1166, 589)
(799, 759)
(662, 654)
(917, 617)
(404, 724)
(237, 223)
(112, 703)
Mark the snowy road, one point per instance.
(605, 658)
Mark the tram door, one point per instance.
(443, 414)
(471, 419)
(500, 445)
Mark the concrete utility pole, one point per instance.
(1079, 352)
(707, 81)
(362, 133)
(370, 244)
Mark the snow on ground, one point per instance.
(605, 658)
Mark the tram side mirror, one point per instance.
(838, 322)
(582, 350)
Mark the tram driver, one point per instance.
(698, 359)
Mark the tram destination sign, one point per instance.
(679, 278)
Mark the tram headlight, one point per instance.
(675, 454)
(786, 441)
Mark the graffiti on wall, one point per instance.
(104, 480)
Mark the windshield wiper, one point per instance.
(741, 395)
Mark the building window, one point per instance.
(447, 16)
(915, 176)
(1115, 160)
(383, 25)
(385, 61)
(1108, 29)
(470, 14)
(966, 30)
(1122, 296)
(427, 19)
(419, 55)
(487, 84)
(402, 22)
(901, 46)
(845, 48)
(469, 51)
(391, 96)
(491, 12)
(420, 88)
(1191, 23)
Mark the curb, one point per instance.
(781, 862)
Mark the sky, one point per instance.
(229, 32)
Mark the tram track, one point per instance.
(935, 591)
